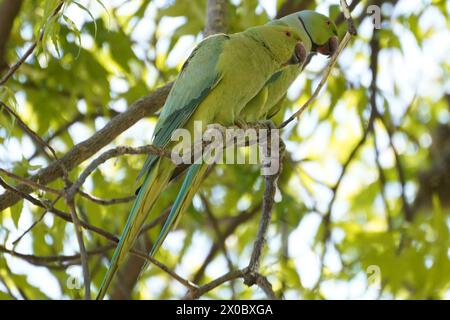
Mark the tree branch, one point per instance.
(56, 261)
(84, 150)
(232, 226)
(220, 238)
(252, 276)
(341, 18)
(261, 281)
(291, 6)
(216, 17)
(81, 245)
(103, 233)
(30, 183)
(77, 118)
(41, 144)
(112, 153)
(9, 9)
(106, 202)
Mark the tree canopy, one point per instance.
(362, 203)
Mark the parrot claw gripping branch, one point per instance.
(229, 79)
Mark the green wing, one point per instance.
(198, 77)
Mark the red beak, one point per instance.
(330, 47)
(300, 52)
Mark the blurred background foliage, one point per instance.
(363, 204)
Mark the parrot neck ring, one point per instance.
(313, 45)
(328, 48)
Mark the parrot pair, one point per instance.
(228, 79)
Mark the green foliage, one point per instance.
(94, 60)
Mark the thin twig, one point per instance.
(215, 225)
(39, 186)
(34, 224)
(163, 267)
(162, 217)
(83, 253)
(346, 10)
(41, 144)
(220, 238)
(260, 280)
(112, 153)
(351, 31)
(232, 226)
(383, 182)
(400, 170)
(266, 286)
(106, 202)
(30, 50)
(30, 183)
(77, 118)
(232, 275)
(60, 214)
(103, 233)
(56, 260)
(252, 276)
(375, 51)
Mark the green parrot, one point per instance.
(219, 78)
(223, 76)
(319, 35)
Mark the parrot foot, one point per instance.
(261, 124)
(216, 126)
(265, 124)
(242, 124)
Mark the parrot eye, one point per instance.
(328, 23)
(288, 34)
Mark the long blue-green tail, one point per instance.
(151, 188)
(189, 188)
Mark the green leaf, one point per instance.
(89, 13)
(5, 296)
(8, 97)
(75, 30)
(103, 6)
(52, 31)
(16, 211)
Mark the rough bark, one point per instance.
(9, 9)
(291, 6)
(216, 17)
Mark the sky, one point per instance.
(416, 71)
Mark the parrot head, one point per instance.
(317, 32)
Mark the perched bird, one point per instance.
(219, 79)
(319, 35)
